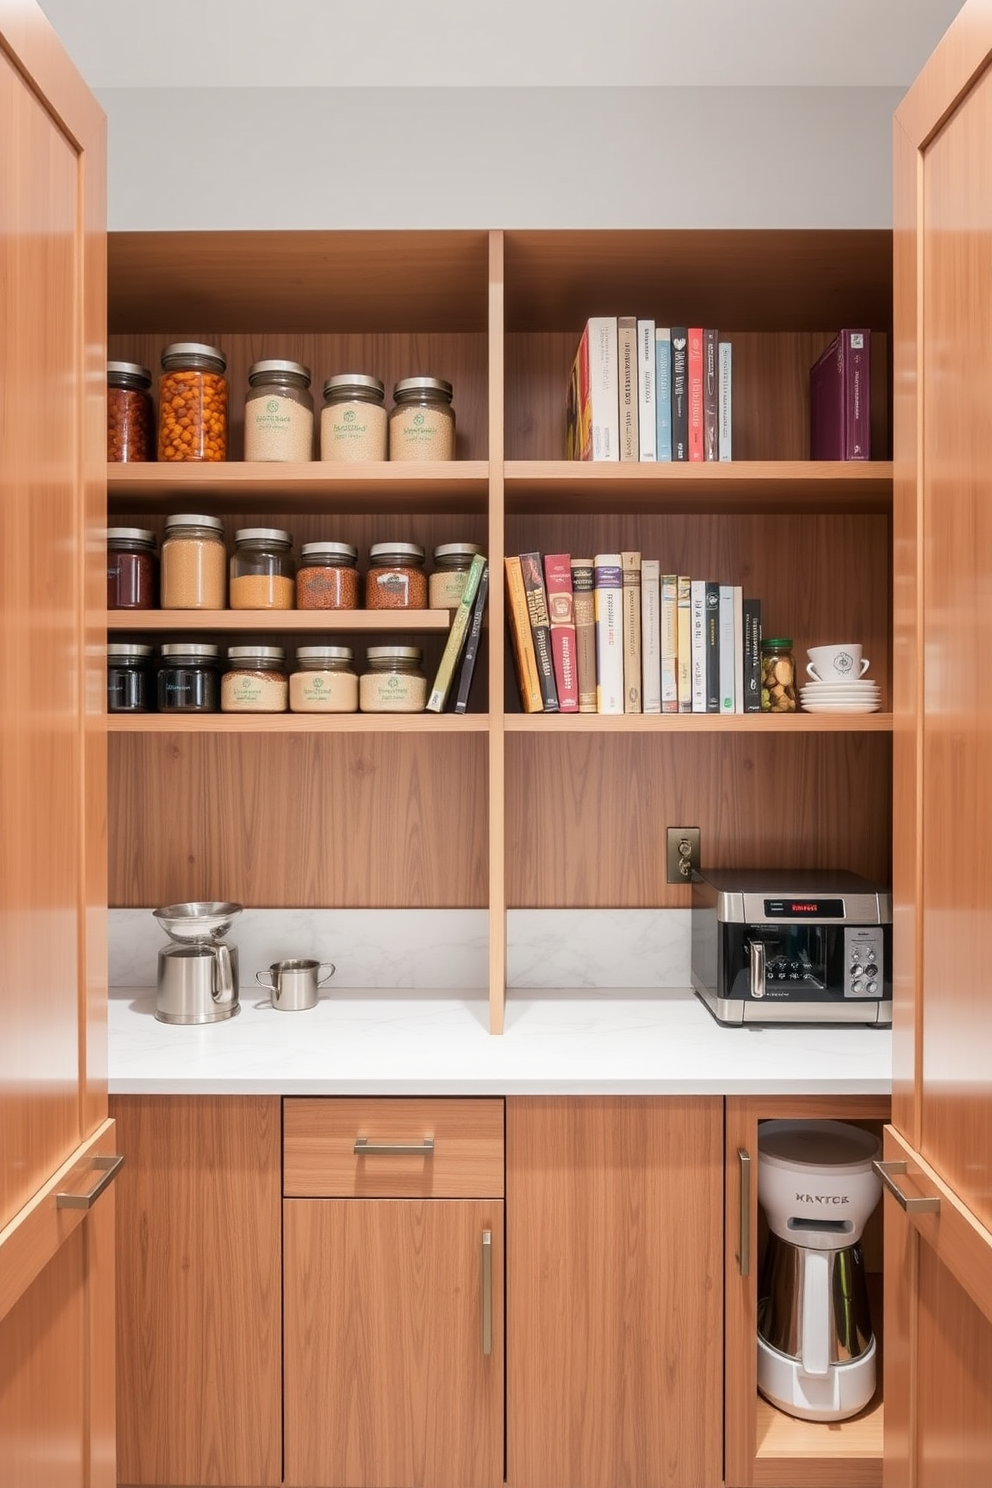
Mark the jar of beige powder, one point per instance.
(325, 681)
(194, 563)
(394, 681)
(255, 680)
(278, 411)
(262, 570)
(422, 420)
(353, 419)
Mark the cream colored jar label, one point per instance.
(323, 692)
(253, 692)
(446, 588)
(421, 434)
(393, 692)
(277, 429)
(353, 431)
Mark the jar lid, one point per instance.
(394, 653)
(329, 550)
(130, 369)
(777, 643)
(354, 381)
(262, 653)
(396, 550)
(324, 653)
(130, 534)
(196, 650)
(263, 534)
(118, 650)
(456, 550)
(408, 387)
(194, 519)
(182, 351)
(258, 371)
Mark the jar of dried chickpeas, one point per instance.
(395, 579)
(262, 575)
(194, 563)
(422, 420)
(192, 403)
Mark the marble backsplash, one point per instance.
(434, 950)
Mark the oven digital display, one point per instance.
(804, 909)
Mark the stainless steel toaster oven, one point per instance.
(792, 947)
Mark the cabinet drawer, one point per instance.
(464, 1158)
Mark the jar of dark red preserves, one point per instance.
(130, 422)
(132, 569)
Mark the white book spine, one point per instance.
(608, 610)
(647, 427)
(651, 629)
(669, 644)
(725, 402)
(698, 611)
(727, 651)
(604, 387)
(738, 648)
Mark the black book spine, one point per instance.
(472, 640)
(752, 655)
(710, 446)
(712, 622)
(680, 393)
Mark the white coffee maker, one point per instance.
(817, 1187)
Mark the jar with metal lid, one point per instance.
(422, 420)
(129, 682)
(192, 403)
(327, 578)
(325, 681)
(262, 570)
(394, 681)
(255, 680)
(353, 420)
(130, 418)
(278, 411)
(194, 563)
(132, 569)
(188, 678)
(395, 579)
(452, 562)
(778, 676)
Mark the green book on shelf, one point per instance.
(456, 637)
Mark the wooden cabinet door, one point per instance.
(56, 1262)
(614, 1292)
(939, 1306)
(389, 1308)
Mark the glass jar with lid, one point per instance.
(325, 681)
(130, 419)
(194, 563)
(132, 569)
(278, 411)
(394, 681)
(129, 680)
(353, 420)
(778, 676)
(192, 403)
(327, 577)
(422, 420)
(262, 570)
(452, 562)
(395, 579)
(255, 680)
(188, 678)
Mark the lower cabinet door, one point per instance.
(393, 1343)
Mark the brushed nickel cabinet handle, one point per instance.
(888, 1172)
(487, 1291)
(107, 1167)
(365, 1148)
(744, 1217)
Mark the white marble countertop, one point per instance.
(554, 1043)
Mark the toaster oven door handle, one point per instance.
(757, 949)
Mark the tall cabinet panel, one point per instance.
(940, 1146)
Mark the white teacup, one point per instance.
(836, 663)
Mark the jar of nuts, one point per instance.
(130, 425)
(422, 420)
(278, 411)
(778, 676)
(192, 403)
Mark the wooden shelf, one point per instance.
(188, 622)
(783, 1439)
(698, 723)
(297, 723)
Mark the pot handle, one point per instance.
(223, 979)
(325, 971)
(816, 1314)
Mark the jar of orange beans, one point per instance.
(192, 403)
(395, 579)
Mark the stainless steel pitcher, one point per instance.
(813, 1304)
(197, 983)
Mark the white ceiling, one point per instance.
(499, 43)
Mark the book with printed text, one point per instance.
(663, 392)
(627, 386)
(558, 585)
(698, 645)
(684, 647)
(518, 622)
(647, 417)
(457, 635)
(725, 401)
(839, 411)
(711, 448)
(630, 563)
(728, 654)
(584, 615)
(540, 624)
(473, 642)
(694, 374)
(752, 655)
(712, 646)
(651, 635)
(680, 393)
(608, 596)
(669, 644)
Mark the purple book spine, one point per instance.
(840, 414)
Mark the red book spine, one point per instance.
(558, 583)
(696, 443)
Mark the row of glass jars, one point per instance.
(196, 573)
(279, 412)
(188, 678)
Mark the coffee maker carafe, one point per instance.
(817, 1187)
(197, 970)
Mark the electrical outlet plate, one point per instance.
(683, 854)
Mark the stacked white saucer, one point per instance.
(838, 683)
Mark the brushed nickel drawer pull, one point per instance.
(487, 1291)
(365, 1148)
(107, 1168)
(744, 1217)
(888, 1171)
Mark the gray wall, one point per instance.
(499, 157)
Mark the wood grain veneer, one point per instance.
(199, 1381)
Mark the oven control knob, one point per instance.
(871, 970)
(855, 970)
(871, 988)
